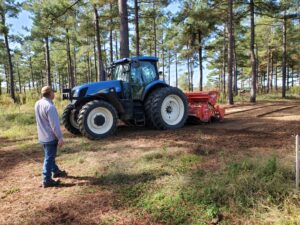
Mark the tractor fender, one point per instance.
(153, 86)
(111, 98)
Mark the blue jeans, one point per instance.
(49, 166)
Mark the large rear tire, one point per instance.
(169, 108)
(69, 119)
(97, 119)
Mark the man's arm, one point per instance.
(54, 123)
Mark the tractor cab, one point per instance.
(136, 74)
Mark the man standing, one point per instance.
(49, 135)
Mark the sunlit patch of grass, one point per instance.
(195, 196)
(17, 132)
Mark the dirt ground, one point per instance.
(249, 129)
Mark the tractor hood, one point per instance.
(90, 89)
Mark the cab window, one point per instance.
(121, 72)
(148, 71)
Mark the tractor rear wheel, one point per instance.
(169, 108)
(69, 119)
(97, 119)
(148, 112)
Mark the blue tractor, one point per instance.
(134, 94)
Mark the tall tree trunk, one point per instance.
(137, 33)
(48, 66)
(235, 75)
(6, 78)
(169, 66)
(10, 65)
(200, 61)
(163, 60)
(284, 56)
(89, 66)
(276, 77)
(116, 45)
(111, 50)
(189, 72)
(75, 67)
(155, 42)
(95, 61)
(292, 75)
(224, 60)
(253, 58)
(268, 69)
(192, 75)
(70, 63)
(31, 72)
(124, 33)
(19, 79)
(101, 71)
(230, 55)
(287, 77)
(176, 68)
(272, 71)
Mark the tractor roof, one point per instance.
(136, 58)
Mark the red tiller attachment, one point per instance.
(202, 106)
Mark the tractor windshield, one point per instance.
(121, 72)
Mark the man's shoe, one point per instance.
(51, 183)
(60, 173)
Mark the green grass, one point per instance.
(18, 120)
(291, 94)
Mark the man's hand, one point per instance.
(61, 143)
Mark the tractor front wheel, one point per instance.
(69, 119)
(169, 108)
(97, 119)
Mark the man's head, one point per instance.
(47, 92)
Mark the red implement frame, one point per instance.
(202, 105)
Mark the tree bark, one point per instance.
(224, 61)
(7, 79)
(176, 68)
(284, 55)
(292, 75)
(268, 69)
(111, 50)
(31, 72)
(235, 75)
(200, 62)
(272, 72)
(189, 72)
(116, 45)
(230, 55)
(124, 33)
(95, 61)
(169, 67)
(10, 65)
(137, 33)
(70, 63)
(101, 71)
(19, 79)
(48, 66)
(287, 77)
(253, 58)
(276, 77)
